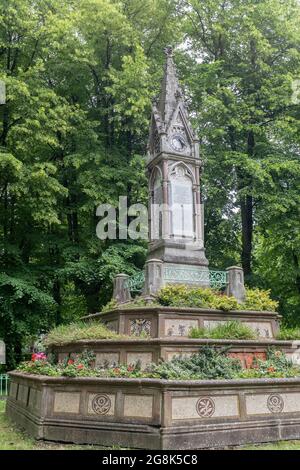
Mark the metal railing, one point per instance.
(4, 385)
(213, 278)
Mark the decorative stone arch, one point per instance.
(187, 171)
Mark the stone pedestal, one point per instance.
(121, 291)
(153, 276)
(235, 286)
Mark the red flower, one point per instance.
(70, 362)
(271, 369)
(130, 368)
(80, 366)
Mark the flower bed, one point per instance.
(209, 363)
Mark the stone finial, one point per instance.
(235, 286)
(121, 291)
(153, 276)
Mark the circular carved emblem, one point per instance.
(205, 407)
(275, 403)
(101, 404)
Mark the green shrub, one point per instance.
(78, 331)
(260, 300)
(288, 334)
(208, 363)
(184, 296)
(227, 330)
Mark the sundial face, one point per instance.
(178, 142)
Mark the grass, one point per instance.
(12, 439)
(79, 331)
(227, 330)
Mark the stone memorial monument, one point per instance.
(152, 413)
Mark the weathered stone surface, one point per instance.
(101, 404)
(66, 402)
(182, 327)
(201, 407)
(144, 358)
(159, 414)
(121, 291)
(107, 359)
(235, 286)
(272, 403)
(138, 406)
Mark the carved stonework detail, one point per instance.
(101, 404)
(275, 403)
(140, 326)
(205, 407)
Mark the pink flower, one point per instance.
(38, 357)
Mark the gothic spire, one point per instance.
(170, 88)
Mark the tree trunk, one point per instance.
(247, 213)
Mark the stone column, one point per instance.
(153, 276)
(121, 291)
(235, 286)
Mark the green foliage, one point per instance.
(286, 334)
(227, 330)
(260, 300)
(79, 331)
(209, 363)
(184, 296)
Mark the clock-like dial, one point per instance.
(178, 142)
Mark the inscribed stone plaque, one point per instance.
(107, 359)
(66, 402)
(173, 354)
(200, 407)
(182, 208)
(101, 404)
(2, 352)
(138, 406)
(274, 402)
(179, 327)
(264, 329)
(145, 358)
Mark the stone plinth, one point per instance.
(155, 414)
(174, 322)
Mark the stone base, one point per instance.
(155, 414)
(172, 322)
(110, 353)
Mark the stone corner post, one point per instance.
(153, 276)
(235, 286)
(121, 291)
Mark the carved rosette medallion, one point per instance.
(205, 407)
(101, 404)
(275, 403)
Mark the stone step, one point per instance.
(114, 352)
